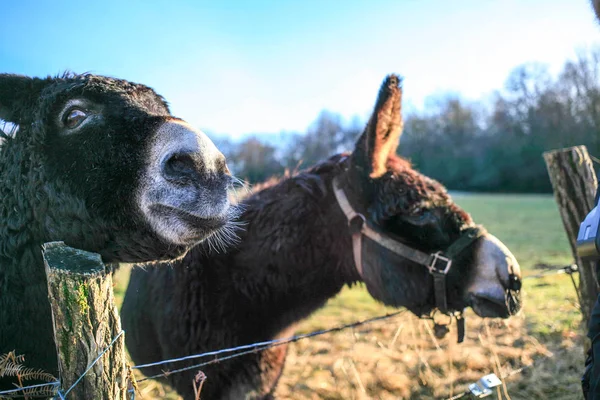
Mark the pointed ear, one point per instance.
(596, 5)
(17, 91)
(382, 134)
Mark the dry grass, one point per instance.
(400, 359)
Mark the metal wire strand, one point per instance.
(20, 389)
(261, 346)
(92, 364)
(256, 347)
(60, 395)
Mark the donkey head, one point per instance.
(399, 205)
(108, 168)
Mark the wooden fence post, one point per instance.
(574, 182)
(86, 323)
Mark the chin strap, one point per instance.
(438, 263)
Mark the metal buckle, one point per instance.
(438, 258)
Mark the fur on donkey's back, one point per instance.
(296, 252)
(101, 164)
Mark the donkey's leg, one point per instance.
(257, 377)
(272, 364)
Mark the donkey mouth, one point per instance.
(495, 307)
(202, 223)
(184, 227)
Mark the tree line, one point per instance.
(494, 145)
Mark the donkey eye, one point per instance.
(421, 216)
(418, 213)
(74, 117)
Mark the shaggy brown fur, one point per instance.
(295, 253)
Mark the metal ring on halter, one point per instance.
(437, 311)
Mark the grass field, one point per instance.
(401, 359)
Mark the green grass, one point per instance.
(529, 225)
(552, 309)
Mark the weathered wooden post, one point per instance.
(86, 323)
(574, 182)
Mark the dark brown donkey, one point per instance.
(365, 217)
(101, 164)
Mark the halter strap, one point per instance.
(437, 263)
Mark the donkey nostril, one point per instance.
(514, 283)
(179, 166)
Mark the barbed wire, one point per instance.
(59, 394)
(257, 347)
(91, 365)
(562, 270)
(567, 269)
(262, 346)
(20, 389)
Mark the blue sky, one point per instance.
(234, 67)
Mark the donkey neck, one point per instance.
(295, 253)
(20, 191)
(25, 315)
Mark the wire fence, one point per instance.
(247, 349)
(59, 394)
(261, 346)
(256, 347)
(10, 392)
(567, 269)
(63, 396)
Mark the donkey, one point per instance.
(101, 164)
(367, 216)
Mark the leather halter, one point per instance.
(438, 264)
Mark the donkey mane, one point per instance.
(308, 179)
(419, 191)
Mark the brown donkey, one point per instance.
(367, 216)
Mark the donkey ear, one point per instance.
(596, 5)
(382, 134)
(16, 91)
